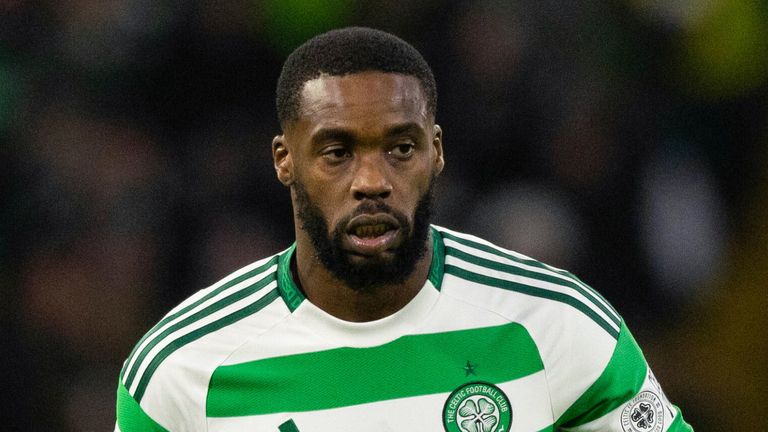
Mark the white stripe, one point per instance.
(202, 293)
(198, 323)
(489, 244)
(530, 282)
(550, 270)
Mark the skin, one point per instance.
(359, 138)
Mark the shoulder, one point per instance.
(518, 284)
(574, 328)
(169, 367)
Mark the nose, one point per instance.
(370, 179)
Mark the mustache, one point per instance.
(371, 207)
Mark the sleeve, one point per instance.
(131, 417)
(625, 398)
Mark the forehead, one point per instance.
(361, 97)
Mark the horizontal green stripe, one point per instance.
(506, 268)
(409, 366)
(130, 416)
(171, 317)
(620, 381)
(202, 331)
(533, 291)
(530, 262)
(197, 316)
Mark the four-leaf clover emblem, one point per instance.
(478, 417)
(643, 416)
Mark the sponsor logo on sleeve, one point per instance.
(644, 413)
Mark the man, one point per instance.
(373, 319)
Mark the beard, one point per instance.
(369, 273)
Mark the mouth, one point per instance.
(371, 231)
(370, 235)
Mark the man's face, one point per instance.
(361, 160)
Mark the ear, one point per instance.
(282, 160)
(437, 142)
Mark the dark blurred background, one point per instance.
(626, 141)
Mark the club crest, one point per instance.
(477, 407)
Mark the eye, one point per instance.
(402, 151)
(336, 154)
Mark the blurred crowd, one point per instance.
(626, 141)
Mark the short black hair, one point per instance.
(347, 51)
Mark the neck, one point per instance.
(335, 297)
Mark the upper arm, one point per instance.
(131, 417)
(626, 397)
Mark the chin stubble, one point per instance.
(373, 273)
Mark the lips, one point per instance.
(371, 234)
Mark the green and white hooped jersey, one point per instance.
(494, 342)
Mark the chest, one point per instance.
(487, 379)
(522, 405)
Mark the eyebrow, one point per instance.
(400, 129)
(333, 134)
(345, 135)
